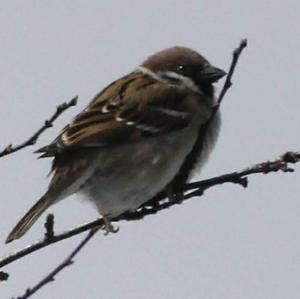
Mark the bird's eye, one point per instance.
(181, 69)
(185, 70)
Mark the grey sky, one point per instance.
(231, 243)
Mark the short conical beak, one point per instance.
(211, 74)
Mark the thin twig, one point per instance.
(48, 124)
(235, 57)
(191, 190)
(228, 81)
(197, 189)
(46, 242)
(67, 262)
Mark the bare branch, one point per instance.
(235, 57)
(46, 241)
(67, 262)
(47, 124)
(160, 203)
(197, 189)
(228, 83)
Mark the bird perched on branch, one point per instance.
(143, 132)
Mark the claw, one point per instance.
(108, 227)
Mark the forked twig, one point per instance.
(47, 124)
(67, 262)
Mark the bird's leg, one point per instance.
(108, 227)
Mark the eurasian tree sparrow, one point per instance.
(143, 132)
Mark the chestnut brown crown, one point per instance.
(185, 62)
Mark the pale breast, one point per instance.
(124, 177)
(209, 142)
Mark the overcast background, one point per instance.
(232, 242)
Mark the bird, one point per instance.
(149, 130)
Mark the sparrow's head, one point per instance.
(185, 66)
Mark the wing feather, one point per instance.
(134, 107)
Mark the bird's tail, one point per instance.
(29, 218)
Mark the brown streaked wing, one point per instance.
(134, 107)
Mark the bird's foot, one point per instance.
(175, 196)
(108, 227)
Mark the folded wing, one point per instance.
(128, 110)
